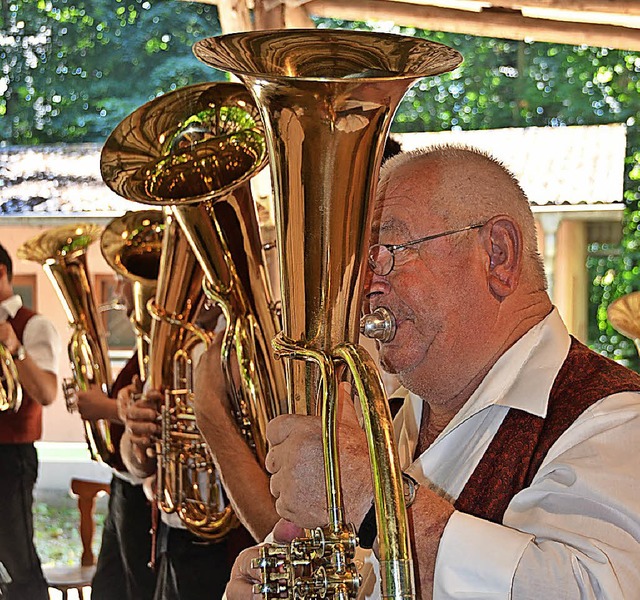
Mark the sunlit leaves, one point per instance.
(71, 69)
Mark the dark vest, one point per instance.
(123, 379)
(523, 440)
(24, 426)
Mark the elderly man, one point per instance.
(522, 443)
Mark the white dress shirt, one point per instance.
(575, 532)
(40, 338)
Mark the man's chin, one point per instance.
(389, 360)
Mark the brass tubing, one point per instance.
(396, 567)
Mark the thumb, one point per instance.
(285, 531)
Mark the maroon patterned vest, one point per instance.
(523, 440)
(24, 426)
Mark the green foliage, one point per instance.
(73, 69)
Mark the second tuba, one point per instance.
(187, 482)
(195, 150)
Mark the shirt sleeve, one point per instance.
(42, 343)
(573, 534)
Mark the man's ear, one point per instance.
(502, 240)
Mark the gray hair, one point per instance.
(500, 194)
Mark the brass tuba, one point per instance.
(131, 245)
(195, 150)
(62, 252)
(327, 99)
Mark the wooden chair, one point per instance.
(65, 578)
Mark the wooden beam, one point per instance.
(233, 15)
(618, 7)
(297, 17)
(488, 23)
(268, 17)
(611, 7)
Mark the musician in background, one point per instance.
(188, 567)
(122, 570)
(35, 347)
(518, 444)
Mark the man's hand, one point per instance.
(8, 337)
(243, 575)
(296, 462)
(94, 404)
(141, 419)
(235, 460)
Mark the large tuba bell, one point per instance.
(131, 245)
(62, 253)
(327, 99)
(195, 150)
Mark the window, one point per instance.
(120, 333)
(25, 286)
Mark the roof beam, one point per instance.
(619, 7)
(491, 22)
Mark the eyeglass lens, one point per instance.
(380, 260)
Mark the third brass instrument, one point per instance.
(327, 99)
(62, 253)
(132, 245)
(186, 480)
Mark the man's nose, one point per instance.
(374, 286)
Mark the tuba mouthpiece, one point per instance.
(379, 325)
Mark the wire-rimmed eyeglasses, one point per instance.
(382, 256)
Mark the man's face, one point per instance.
(433, 289)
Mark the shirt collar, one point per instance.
(10, 307)
(521, 378)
